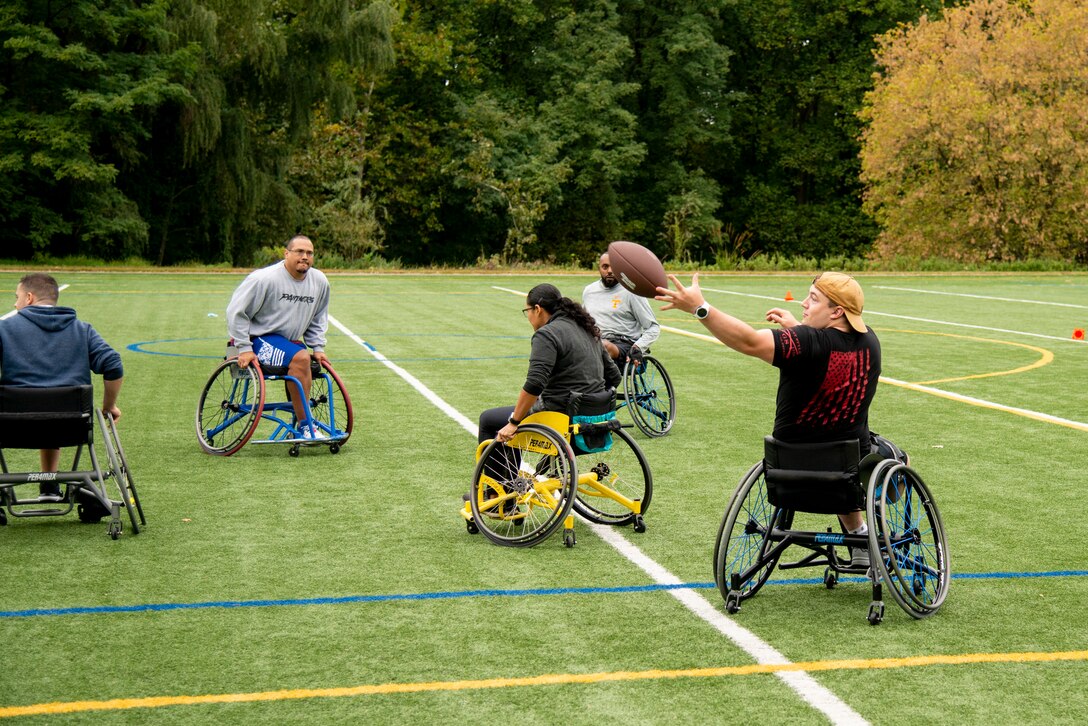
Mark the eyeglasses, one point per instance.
(525, 311)
(302, 253)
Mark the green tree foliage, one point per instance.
(803, 68)
(80, 83)
(219, 187)
(977, 137)
(683, 106)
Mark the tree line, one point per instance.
(446, 132)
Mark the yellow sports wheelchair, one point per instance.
(523, 489)
(904, 549)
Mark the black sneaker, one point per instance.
(49, 492)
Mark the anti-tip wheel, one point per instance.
(732, 603)
(568, 538)
(876, 612)
(471, 527)
(831, 578)
(640, 524)
(293, 451)
(334, 448)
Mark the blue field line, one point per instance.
(457, 594)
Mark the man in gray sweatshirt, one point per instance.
(628, 326)
(45, 345)
(277, 312)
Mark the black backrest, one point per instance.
(591, 404)
(822, 478)
(45, 418)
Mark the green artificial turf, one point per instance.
(300, 543)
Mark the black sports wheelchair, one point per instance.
(236, 400)
(648, 395)
(57, 418)
(905, 543)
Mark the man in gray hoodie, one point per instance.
(45, 345)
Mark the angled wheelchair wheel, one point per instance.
(330, 406)
(229, 408)
(742, 547)
(623, 471)
(522, 490)
(119, 469)
(907, 534)
(650, 398)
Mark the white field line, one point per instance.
(811, 691)
(412, 380)
(8, 314)
(982, 297)
(917, 320)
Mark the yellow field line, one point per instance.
(552, 679)
(1045, 357)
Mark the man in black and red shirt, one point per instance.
(829, 364)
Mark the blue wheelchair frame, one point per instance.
(243, 403)
(641, 386)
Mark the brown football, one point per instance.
(637, 268)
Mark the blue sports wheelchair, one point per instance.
(905, 546)
(648, 395)
(57, 418)
(235, 401)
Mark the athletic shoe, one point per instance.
(49, 492)
(859, 558)
(312, 433)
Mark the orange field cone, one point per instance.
(789, 295)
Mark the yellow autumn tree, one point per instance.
(975, 143)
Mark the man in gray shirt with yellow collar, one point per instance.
(627, 323)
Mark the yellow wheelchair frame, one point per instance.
(523, 490)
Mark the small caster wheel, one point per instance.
(876, 612)
(732, 602)
(3, 518)
(831, 578)
(568, 538)
(640, 524)
(334, 448)
(114, 530)
(470, 525)
(293, 451)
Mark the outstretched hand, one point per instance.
(781, 317)
(682, 298)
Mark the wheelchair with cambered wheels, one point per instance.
(236, 407)
(59, 418)
(524, 490)
(648, 396)
(905, 544)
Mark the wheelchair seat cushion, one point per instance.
(824, 478)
